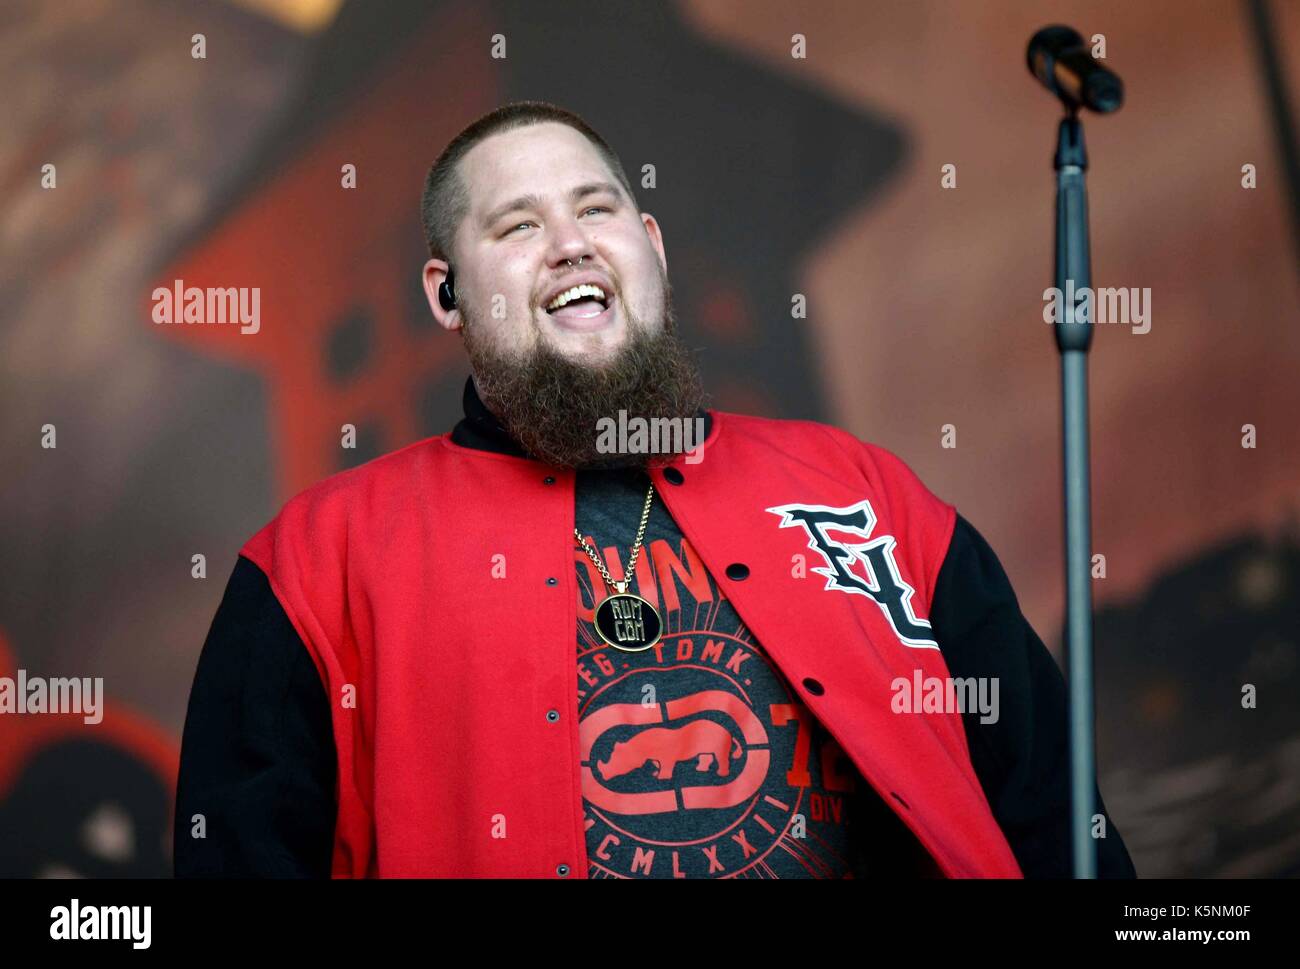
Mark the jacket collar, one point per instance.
(480, 429)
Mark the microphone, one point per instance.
(1060, 60)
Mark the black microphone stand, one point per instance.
(1060, 60)
(1073, 339)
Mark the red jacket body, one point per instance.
(441, 670)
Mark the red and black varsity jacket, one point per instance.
(371, 694)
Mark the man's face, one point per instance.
(541, 199)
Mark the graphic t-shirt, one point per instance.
(698, 760)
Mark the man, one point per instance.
(817, 668)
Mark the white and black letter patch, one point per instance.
(882, 582)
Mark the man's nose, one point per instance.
(568, 242)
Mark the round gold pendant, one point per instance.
(628, 622)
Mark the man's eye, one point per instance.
(596, 208)
(519, 226)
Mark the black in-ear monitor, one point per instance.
(447, 291)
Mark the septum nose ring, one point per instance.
(580, 258)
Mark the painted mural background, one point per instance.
(775, 175)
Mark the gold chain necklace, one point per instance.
(624, 620)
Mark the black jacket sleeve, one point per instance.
(257, 754)
(1022, 760)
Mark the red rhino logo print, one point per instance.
(666, 747)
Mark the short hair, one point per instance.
(445, 201)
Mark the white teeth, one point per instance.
(577, 292)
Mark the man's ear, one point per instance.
(435, 271)
(656, 237)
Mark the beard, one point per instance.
(553, 406)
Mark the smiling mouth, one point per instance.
(582, 301)
(580, 309)
(584, 313)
